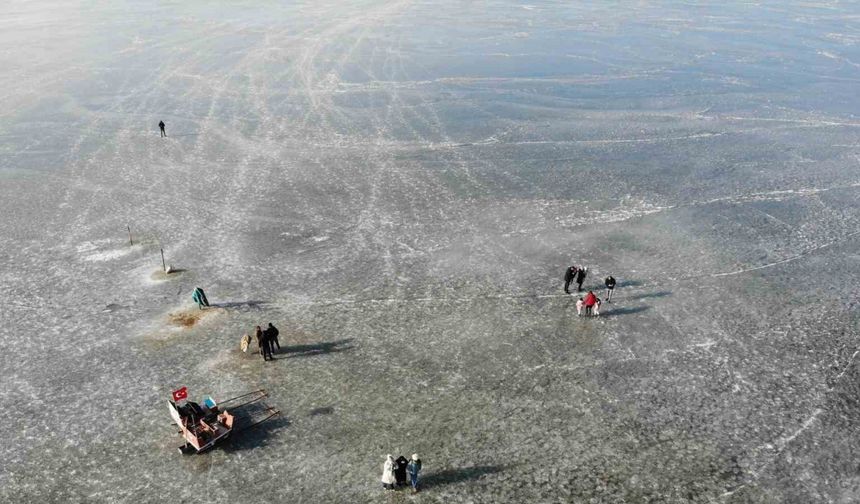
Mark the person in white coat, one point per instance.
(388, 473)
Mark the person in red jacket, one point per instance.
(590, 301)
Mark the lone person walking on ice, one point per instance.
(161, 127)
(610, 286)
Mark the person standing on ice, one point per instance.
(569, 275)
(590, 301)
(400, 470)
(610, 286)
(263, 343)
(413, 469)
(387, 478)
(579, 304)
(597, 304)
(272, 335)
(580, 277)
(199, 297)
(161, 127)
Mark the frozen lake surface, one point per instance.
(399, 186)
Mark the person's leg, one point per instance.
(567, 286)
(609, 296)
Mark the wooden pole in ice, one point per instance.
(130, 241)
(163, 266)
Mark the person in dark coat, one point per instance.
(580, 277)
(400, 470)
(161, 127)
(263, 343)
(569, 275)
(610, 286)
(273, 337)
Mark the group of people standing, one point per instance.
(590, 302)
(394, 472)
(267, 340)
(574, 273)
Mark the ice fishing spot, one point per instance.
(191, 317)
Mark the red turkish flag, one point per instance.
(180, 394)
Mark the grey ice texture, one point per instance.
(398, 186)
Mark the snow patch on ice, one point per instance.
(95, 251)
(107, 255)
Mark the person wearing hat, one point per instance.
(388, 479)
(413, 469)
(400, 470)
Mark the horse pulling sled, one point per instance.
(204, 425)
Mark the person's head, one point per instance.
(390, 457)
(581, 299)
(415, 457)
(270, 324)
(258, 329)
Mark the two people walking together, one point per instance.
(267, 340)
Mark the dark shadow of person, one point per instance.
(657, 294)
(311, 349)
(241, 304)
(256, 436)
(451, 476)
(325, 410)
(623, 311)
